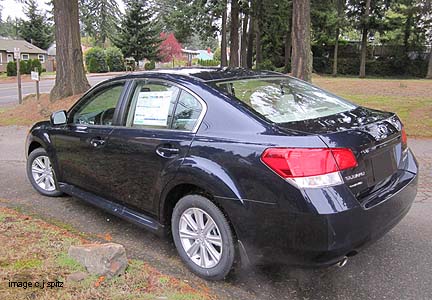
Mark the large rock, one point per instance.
(101, 259)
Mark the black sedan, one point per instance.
(235, 164)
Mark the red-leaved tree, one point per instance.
(170, 48)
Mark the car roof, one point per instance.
(208, 74)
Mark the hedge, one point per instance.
(376, 67)
(26, 67)
(208, 63)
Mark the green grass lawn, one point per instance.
(411, 99)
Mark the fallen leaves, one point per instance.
(99, 281)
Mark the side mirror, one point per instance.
(58, 117)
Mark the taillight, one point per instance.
(310, 167)
(404, 138)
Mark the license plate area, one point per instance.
(384, 164)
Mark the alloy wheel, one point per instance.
(200, 238)
(43, 174)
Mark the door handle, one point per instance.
(97, 142)
(166, 151)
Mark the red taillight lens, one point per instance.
(404, 137)
(304, 162)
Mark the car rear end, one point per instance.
(358, 185)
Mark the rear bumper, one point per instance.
(320, 238)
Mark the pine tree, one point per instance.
(36, 30)
(138, 34)
(9, 27)
(99, 19)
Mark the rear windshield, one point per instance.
(285, 99)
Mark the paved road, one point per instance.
(396, 267)
(9, 91)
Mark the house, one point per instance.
(28, 51)
(205, 54)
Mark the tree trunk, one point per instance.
(429, 73)
(301, 40)
(340, 9)
(258, 50)
(335, 53)
(70, 74)
(251, 33)
(234, 34)
(288, 43)
(243, 44)
(364, 40)
(224, 59)
(407, 31)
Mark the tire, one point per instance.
(39, 160)
(207, 259)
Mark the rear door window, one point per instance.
(152, 105)
(161, 105)
(283, 100)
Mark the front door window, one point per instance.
(99, 108)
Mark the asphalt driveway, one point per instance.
(399, 266)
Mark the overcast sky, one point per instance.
(13, 9)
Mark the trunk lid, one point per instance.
(373, 136)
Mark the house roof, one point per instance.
(8, 45)
(205, 55)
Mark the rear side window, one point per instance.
(187, 112)
(283, 100)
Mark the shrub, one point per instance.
(11, 68)
(25, 66)
(151, 65)
(33, 64)
(96, 61)
(217, 54)
(267, 64)
(115, 60)
(208, 63)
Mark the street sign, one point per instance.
(17, 53)
(35, 75)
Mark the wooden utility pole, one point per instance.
(301, 58)
(17, 56)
